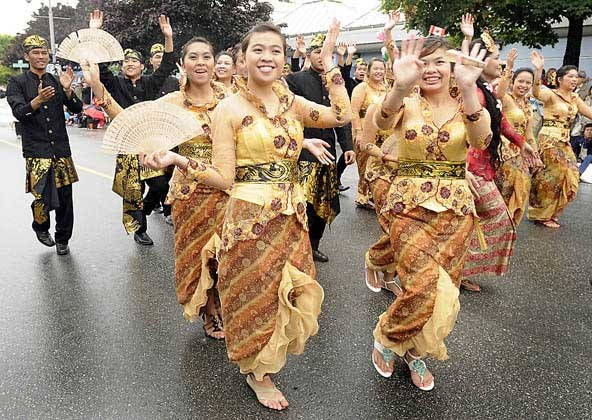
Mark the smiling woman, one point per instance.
(270, 298)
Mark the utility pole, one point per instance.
(51, 33)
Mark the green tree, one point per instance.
(526, 21)
(223, 22)
(5, 71)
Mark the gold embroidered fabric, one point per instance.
(279, 171)
(64, 173)
(519, 116)
(363, 96)
(245, 133)
(431, 169)
(419, 139)
(198, 148)
(559, 113)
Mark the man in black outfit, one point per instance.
(350, 84)
(37, 100)
(128, 89)
(319, 181)
(171, 84)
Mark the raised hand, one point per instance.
(538, 61)
(329, 44)
(341, 49)
(352, 48)
(95, 20)
(45, 93)
(407, 69)
(91, 74)
(393, 18)
(320, 150)
(467, 25)
(66, 78)
(466, 75)
(301, 45)
(165, 26)
(511, 58)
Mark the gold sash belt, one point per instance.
(555, 123)
(201, 151)
(269, 172)
(431, 169)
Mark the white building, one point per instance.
(362, 21)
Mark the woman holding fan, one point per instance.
(270, 298)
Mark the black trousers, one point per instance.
(340, 167)
(316, 226)
(158, 188)
(64, 215)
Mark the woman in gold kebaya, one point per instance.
(512, 176)
(555, 185)
(379, 258)
(364, 95)
(430, 204)
(197, 210)
(224, 69)
(270, 298)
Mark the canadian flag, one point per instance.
(437, 31)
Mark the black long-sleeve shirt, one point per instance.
(146, 88)
(43, 130)
(308, 84)
(350, 83)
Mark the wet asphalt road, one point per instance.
(98, 334)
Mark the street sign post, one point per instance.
(20, 65)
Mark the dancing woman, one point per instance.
(197, 210)
(380, 174)
(556, 184)
(430, 203)
(270, 298)
(512, 177)
(365, 94)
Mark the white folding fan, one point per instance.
(150, 126)
(90, 44)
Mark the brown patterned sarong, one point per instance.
(499, 232)
(380, 256)
(364, 192)
(513, 181)
(198, 225)
(270, 298)
(555, 185)
(430, 250)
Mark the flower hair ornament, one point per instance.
(488, 41)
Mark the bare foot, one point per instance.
(550, 224)
(267, 393)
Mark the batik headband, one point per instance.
(130, 53)
(156, 48)
(316, 41)
(34, 41)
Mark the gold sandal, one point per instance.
(265, 394)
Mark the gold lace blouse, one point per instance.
(245, 133)
(418, 138)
